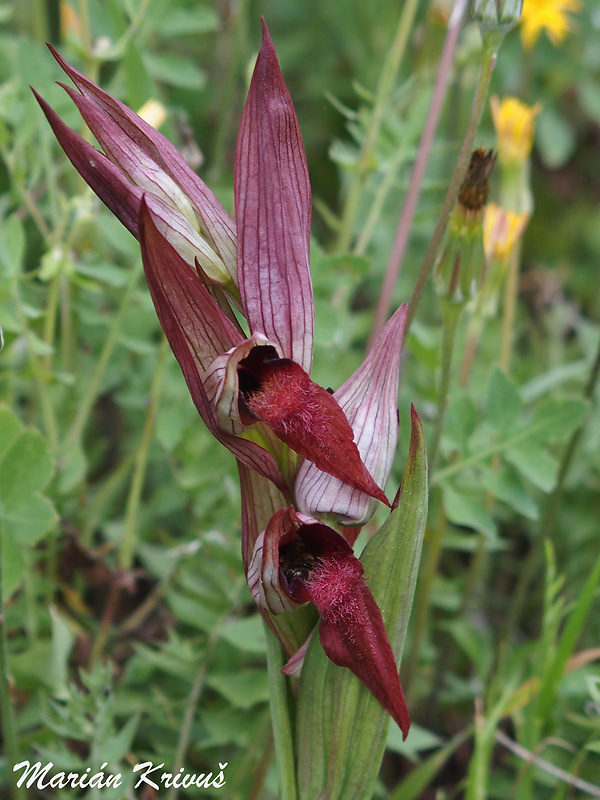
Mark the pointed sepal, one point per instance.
(273, 210)
(197, 331)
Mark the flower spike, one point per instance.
(273, 209)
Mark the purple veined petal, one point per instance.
(105, 179)
(263, 575)
(369, 401)
(142, 137)
(223, 386)
(273, 209)
(260, 500)
(197, 331)
(190, 245)
(175, 285)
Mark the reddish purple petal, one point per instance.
(122, 133)
(197, 330)
(273, 208)
(308, 419)
(105, 179)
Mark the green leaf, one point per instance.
(25, 468)
(535, 464)
(341, 729)
(245, 634)
(243, 689)
(507, 486)
(470, 511)
(555, 138)
(175, 71)
(12, 247)
(186, 21)
(420, 739)
(25, 515)
(503, 403)
(461, 421)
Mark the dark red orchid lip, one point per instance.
(304, 416)
(317, 565)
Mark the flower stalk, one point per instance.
(491, 40)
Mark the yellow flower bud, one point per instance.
(153, 112)
(502, 229)
(546, 15)
(514, 122)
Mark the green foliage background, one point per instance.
(131, 633)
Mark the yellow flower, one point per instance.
(153, 112)
(514, 123)
(548, 15)
(502, 229)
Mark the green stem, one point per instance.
(129, 540)
(422, 598)
(451, 313)
(6, 710)
(548, 520)
(511, 290)
(491, 43)
(88, 400)
(281, 719)
(385, 86)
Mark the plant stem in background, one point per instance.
(491, 42)
(548, 520)
(451, 314)
(387, 79)
(87, 402)
(129, 540)
(416, 180)
(511, 290)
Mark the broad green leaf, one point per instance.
(503, 403)
(469, 510)
(25, 468)
(25, 514)
(243, 689)
(555, 138)
(175, 71)
(535, 464)
(507, 486)
(189, 20)
(245, 634)
(461, 421)
(341, 729)
(420, 739)
(10, 429)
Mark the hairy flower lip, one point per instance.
(324, 570)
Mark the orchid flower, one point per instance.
(294, 441)
(298, 560)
